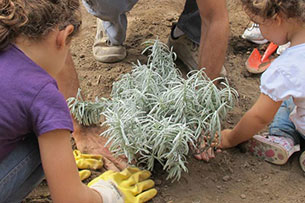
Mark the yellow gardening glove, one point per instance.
(132, 182)
(84, 174)
(88, 161)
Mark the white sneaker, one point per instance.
(254, 35)
(282, 48)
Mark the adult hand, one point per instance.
(206, 155)
(130, 186)
(210, 152)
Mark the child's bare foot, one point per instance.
(87, 140)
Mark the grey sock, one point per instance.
(177, 32)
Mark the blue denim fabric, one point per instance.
(21, 171)
(282, 125)
(190, 22)
(113, 14)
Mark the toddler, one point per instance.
(282, 97)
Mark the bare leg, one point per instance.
(87, 138)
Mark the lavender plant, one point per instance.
(154, 114)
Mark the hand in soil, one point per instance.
(88, 141)
(209, 153)
(206, 155)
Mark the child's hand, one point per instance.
(224, 142)
(132, 185)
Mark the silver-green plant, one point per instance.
(154, 114)
(85, 112)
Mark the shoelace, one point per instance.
(108, 43)
(194, 46)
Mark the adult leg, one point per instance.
(206, 27)
(190, 22)
(21, 171)
(185, 35)
(87, 138)
(111, 28)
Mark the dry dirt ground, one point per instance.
(231, 177)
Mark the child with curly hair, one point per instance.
(282, 97)
(35, 122)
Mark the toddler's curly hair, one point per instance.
(36, 18)
(270, 8)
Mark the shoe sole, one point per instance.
(269, 151)
(302, 161)
(109, 58)
(262, 41)
(259, 41)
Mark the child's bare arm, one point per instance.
(61, 170)
(260, 115)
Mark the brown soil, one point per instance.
(231, 177)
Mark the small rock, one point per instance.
(246, 165)
(226, 178)
(243, 196)
(82, 56)
(218, 187)
(170, 19)
(158, 182)
(97, 80)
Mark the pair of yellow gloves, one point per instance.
(133, 184)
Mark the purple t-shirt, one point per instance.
(30, 101)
